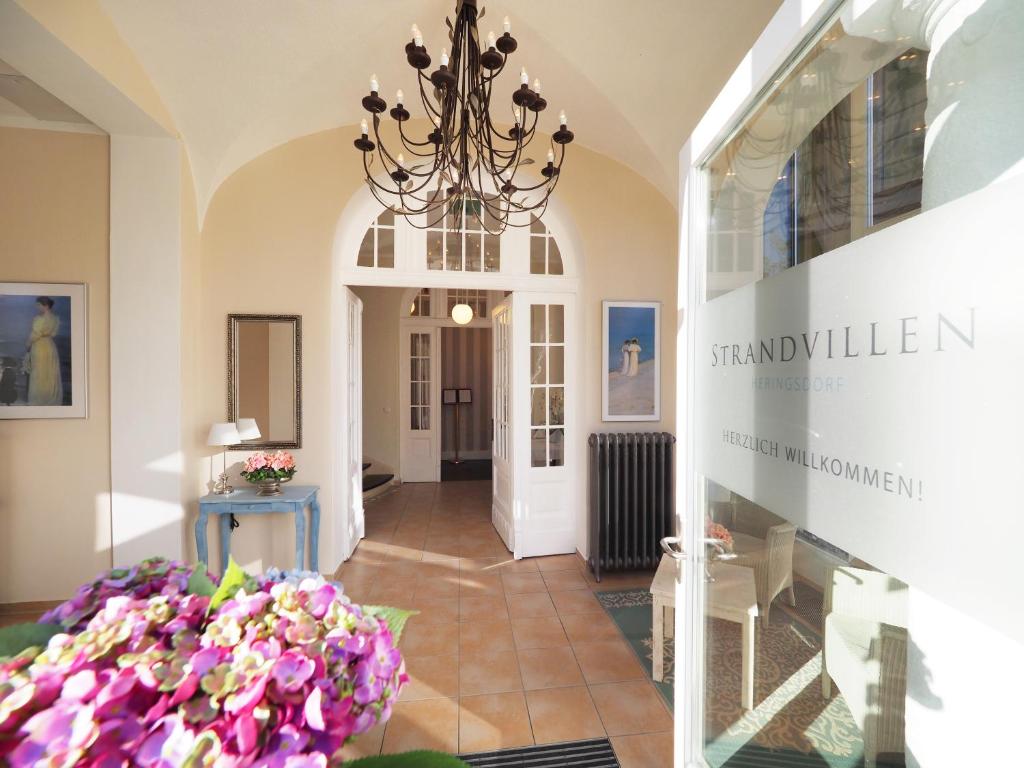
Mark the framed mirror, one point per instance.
(265, 378)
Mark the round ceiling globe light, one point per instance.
(462, 313)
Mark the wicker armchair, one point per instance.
(865, 654)
(772, 561)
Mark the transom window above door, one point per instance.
(459, 243)
(477, 300)
(378, 246)
(545, 258)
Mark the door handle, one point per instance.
(673, 547)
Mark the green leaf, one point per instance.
(17, 637)
(200, 583)
(395, 618)
(418, 759)
(233, 580)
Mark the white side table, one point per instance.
(732, 596)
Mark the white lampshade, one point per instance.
(248, 429)
(462, 313)
(224, 434)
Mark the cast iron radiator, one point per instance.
(632, 499)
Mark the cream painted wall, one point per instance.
(55, 473)
(381, 437)
(266, 247)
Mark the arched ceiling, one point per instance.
(243, 76)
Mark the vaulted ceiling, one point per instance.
(243, 76)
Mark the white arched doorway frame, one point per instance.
(358, 214)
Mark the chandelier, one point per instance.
(466, 162)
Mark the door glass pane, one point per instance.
(537, 365)
(424, 344)
(387, 218)
(557, 405)
(537, 258)
(453, 251)
(365, 257)
(556, 365)
(424, 418)
(556, 316)
(538, 448)
(556, 447)
(414, 394)
(435, 259)
(538, 332)
(537, 226)
(414, 418)
(538, 397)
(492, 253)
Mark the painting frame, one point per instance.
(77, 314)
(648, 380)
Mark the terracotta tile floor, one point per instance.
(504, 653)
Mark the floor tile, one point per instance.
(647, 750)
(530, 606)
(494, 721)
(549, 668)
(559, 563)
(563, 714)
(523, 583)
(480, 584)
(485, 636)
(608, 662)
(486, 608)
(576, 601)
(632, 707)
(559, 581)
(365, 745)
(428, 724)
(525, 565)
(435, 610)
(429, 639)
(538, 632)
(397, 592)
(431, 677)
(491, 672)
(590, 628)
(437, 586)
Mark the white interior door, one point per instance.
(502, 423)
(421, 369)
(355, 416)
(546, 397)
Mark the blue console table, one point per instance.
(293, 498)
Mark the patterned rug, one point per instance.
(790, 720)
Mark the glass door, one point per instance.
(502, 424)
(421, 457)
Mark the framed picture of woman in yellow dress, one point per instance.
(43, 371)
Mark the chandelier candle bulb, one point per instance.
(523, 77)
(551, 157)
(507, 25)
(374, 85)
(399, 96)
(417, 37)
(561, 119)
(363, 126)
(444, 57)
(490, 39)
(400, 161)
(536, 86)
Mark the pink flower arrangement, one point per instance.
(720, 532)
(265, 465)
(278, 674)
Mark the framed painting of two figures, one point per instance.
(43, 365)
(631, 386)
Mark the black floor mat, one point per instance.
(375, 481)
(595, 753)
(466, 470)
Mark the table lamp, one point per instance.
(224, 434)
(248, 429)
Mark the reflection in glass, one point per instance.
(453, 251)
(386, 247)
(557, 405)
(538, 332)
(473, 245)
(537, 407)
(537, 365)
(492, 253)
(435, 260)
(538, 448)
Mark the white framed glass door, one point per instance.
(421, 455)
(502, 424)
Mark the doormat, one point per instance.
(593, 753)
(476, 469)
(790, 720)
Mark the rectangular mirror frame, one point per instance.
(296, 321)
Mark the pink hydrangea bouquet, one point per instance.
(159, 665)
(720, 532)
(267, 465)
